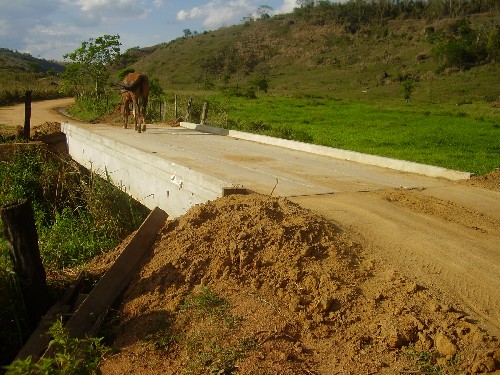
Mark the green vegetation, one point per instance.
(87, 72)
(78, 216)
(204, 330)
(464, 136)
(69, 356)
(209, 345)
(87, 75)
(20, 72)
(427, 362)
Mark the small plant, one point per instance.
(205, 302)
(70, 355)
(78, 215)
(408, 87)
(210, 343)
(427, 362)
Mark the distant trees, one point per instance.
(263, 12)
(353, 13)
(463, 46)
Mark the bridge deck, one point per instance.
(181, 158)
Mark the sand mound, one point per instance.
(302, 297)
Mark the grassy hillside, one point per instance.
(317, 56)
(23, 62)
(337, 87)
(20, 72)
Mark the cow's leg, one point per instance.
(125, 113)
(136, 116)
(143, 114)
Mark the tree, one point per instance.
(187, 33)
(263, 12)
(88, 69)
(260, 82)
(155, 89)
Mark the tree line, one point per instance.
(365, 12)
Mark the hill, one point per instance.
(316, 54)
(23, 62)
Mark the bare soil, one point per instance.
(364, 283)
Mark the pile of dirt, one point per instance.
(489, 181)
(304, 299)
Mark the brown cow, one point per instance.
(135, 90)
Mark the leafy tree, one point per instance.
(493, 44)
(155, 89)
(187, 33)
(88, 69)
(463, 46)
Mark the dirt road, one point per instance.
(41, 112)
(446, 238)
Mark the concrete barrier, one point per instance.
(379, 161)
(151, 180)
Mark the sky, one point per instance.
(49, 29)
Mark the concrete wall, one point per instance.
(149, 179)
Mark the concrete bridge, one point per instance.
(175, 168)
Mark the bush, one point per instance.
(463, 47)
(78, 215)
(70, 356)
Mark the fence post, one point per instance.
(176, 108)
(27, 115)
(164, 114)
(20, 231)
(204, 114)
(188, 113)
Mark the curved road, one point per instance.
(445, 235)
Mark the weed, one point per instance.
(78, 215)
(427, 362)
(205, 302)
(210, 344)
(70, 355)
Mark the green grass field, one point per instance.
(463, 137)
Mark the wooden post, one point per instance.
(176, 108)
(164, 114)
(188, 113)
(27, 114)
(114, 281)
(20, 231)
(204, 114)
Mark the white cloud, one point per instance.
(17, 17)
(96, 12)
(53, 41)
(217, 13)
(287, 7)
(4, 27)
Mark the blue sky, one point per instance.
(51, 28)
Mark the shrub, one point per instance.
(70, 356)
